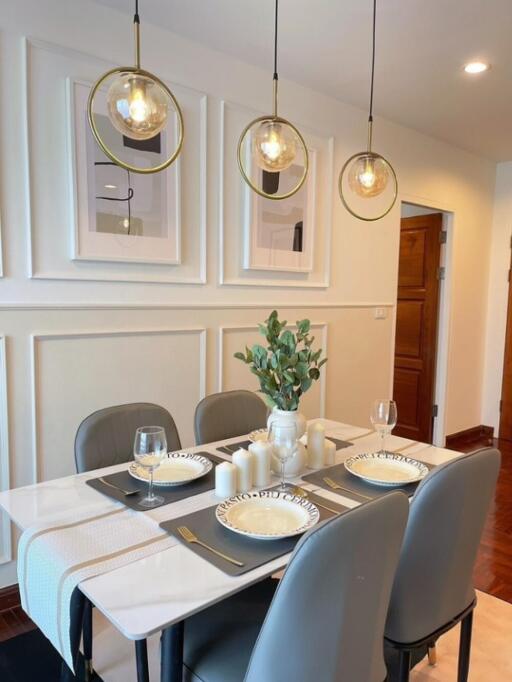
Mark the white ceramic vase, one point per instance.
(297, 463)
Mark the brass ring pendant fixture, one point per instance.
(367, 183)
(138, 108)
(272, 144)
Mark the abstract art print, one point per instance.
(279, 235)
(121, 215)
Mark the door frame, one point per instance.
(444, 311)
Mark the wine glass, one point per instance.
(149, 449)
(384, 417)
(283, 438)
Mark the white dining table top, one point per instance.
(152, 593)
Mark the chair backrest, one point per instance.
(326, 621)
(106, 437)
(228, 414)
(433, 581)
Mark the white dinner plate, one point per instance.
(258, 434)
(267, 515)
(177, 468)
(390, 469)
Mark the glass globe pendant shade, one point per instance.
(368, 175)
(274, 146)
(137, 106)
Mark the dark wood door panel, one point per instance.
(406, 394)
(409, 326)
(506, 387)
(412, 258)
(416, 325)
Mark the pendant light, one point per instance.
(275, 144)
(138, 105)
(367, 183)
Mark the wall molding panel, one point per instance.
(38, 338)
(41, 162)
(231, 191)
(195, 306)
(224, 330)
(5, 527)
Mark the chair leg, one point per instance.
(141, 657)
(466, 628)
(87, 641)
(432, 655)
(404, 665)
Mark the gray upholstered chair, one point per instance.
(106, 437)
(103, 439)
(229, 414)
(433, 588)
(326, 619)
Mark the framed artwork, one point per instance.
(280, 235)
(119, 215)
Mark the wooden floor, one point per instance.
(493, 570)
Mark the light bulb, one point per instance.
(137, 106)
(368, 175)
(274, 146)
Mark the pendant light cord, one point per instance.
(136, 19)
(136, 24)
(276, 77)
(275, 39)
(370, 117)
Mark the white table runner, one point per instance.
(54, 558)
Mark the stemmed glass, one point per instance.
(384, 417)
(283, 438)
(149, 449)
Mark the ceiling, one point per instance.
(421, 47)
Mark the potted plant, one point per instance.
(286, 368)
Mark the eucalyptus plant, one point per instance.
(288, 366)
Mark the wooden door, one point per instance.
(506, 389)
(416, 325)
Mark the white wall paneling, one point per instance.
(232, 192)
(51, 191)
(75, 374)
(5, 530)
(233, 373)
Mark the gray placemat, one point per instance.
(360, 489)
(251, 552)
(233, 447)
(170, 494)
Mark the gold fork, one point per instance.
(336, 486)
(189, 536)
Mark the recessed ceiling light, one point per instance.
(476, 67)
(110, 186)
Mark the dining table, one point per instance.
(156, 594)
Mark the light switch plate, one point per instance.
(380, 313)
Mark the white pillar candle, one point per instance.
(261, 452)
(316, 442)
(225, 480)
(329, 452)
(243, 462)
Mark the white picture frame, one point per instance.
(155, 213)
(279, 235)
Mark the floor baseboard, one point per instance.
(9, 598)
(475, 435)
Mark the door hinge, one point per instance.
(441, 273)
(443, 237)
(508, 275)
(435, 410)
(501, 405)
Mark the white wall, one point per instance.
(83, 335)
(498, 296)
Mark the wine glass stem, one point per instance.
(382, 441)
(150, 491)
(282, 474)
